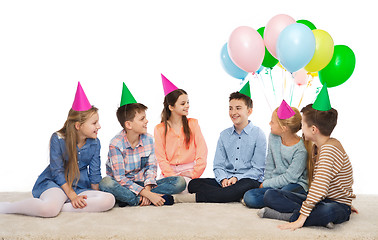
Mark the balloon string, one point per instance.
(308, 85)
(271, 81)
(292, 91)
(266, 98)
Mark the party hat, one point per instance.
(81, 102)
(167, 85)
(246, 90)
(285, 111)
(127, 97)
(322, 102)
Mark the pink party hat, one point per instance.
(167, 85)
(285, 111)
(81, 102)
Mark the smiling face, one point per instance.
(90, 127)
(181, 106)
(239, 113)
(138, 124)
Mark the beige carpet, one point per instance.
(180, 221)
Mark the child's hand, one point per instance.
(224, 182)
(232, 181)
(294, 225)
(156, 199)
(79, 201)
(144, 201)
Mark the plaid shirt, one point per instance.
(128, 165)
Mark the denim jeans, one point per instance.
(208, 190)
(168, 185)
(254, 198)
(324, 212)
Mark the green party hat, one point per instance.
(246, 90)
(127, 97)
(322, 102)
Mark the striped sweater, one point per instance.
(333, 176)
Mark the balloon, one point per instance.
(269, 61)
(230, 66)
(300, 77)
(295, 47)
(260, 69)
(273, 30)
(323, 51)
(246, 48)
(307, 23)
(340, 68)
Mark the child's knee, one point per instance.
(181, 184)
(106, 183)
(108, 201)
(50, 211)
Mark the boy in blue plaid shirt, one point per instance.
(132, 167)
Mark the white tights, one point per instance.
(54, 200)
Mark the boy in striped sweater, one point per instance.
(329, 199)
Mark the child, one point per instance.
(70, 181)
(180, 147)
(286, 161)
(131, 165)
(330, 195)
(239, 159)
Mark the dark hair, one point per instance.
(127, 112)
(247, 100)
(325, 121)
(169, 100)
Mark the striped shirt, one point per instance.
(333, 176)
(128, 165)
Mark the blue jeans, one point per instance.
(324, 212)
(254, 198)
(168, 185)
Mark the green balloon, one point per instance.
(307, 23)
(269, 61)
(340, 68)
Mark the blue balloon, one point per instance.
(295, 46)
(229, 66)
(260, 69)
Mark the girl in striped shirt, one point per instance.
(329, 200)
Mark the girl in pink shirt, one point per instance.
(179, 144)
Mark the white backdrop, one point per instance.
(47, 46)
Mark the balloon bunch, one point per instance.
(298, 46)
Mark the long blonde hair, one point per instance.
(69, 132)
(294, 124)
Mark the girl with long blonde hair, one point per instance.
(70, 181)
(286, 160)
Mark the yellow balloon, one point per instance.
(313, 74)
(323, 51)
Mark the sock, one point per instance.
(168, 199)
(273, 214)
(330, 225)
(184, 198)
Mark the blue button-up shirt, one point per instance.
(240, 155)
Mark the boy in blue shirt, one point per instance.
(239, 160)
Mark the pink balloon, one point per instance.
(246, 48)
(273, 29)
(300, 77)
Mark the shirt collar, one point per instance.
(246, 130)
(127, 143)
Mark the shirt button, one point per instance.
(237, 148)
(79, 153)
(235, 170)
(237, 159)
(239, 137)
